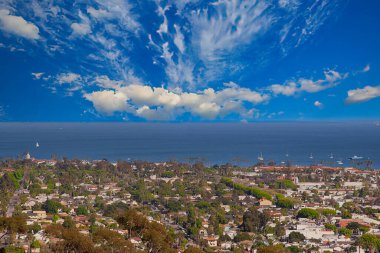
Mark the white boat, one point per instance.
(260, 157)
(331, 156)
(37, 145)
(311, 156)
(355, 157)
(339, 162)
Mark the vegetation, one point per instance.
(308, 213)
(258, 193)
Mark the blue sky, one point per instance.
(189, 60)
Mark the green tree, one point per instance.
(308, 213)
(296, 237)
(51, 206)
(369, 242)
(81, 210)
(345, 231)
(193, 250)
(254, 220)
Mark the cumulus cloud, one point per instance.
(318, 104)
(17, 25)
(107, 101)
(362, 94)
(287, 89)
(331, 79)
(159, 103)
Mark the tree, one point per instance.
(279, 230)
(346, 214)
(283, 202)
(153, 234)
(35, 244)
(51, 206)
(254, 220)
(346, 232)
(81, 210)
(328, 212)
(330, 227)
(296, 237)
(294, 249)
(242, 236)
(193, 250)
(308, 213)
(68, 222)
(369, 242)
(272, 249)
(111, 241)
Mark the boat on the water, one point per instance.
(355, 157)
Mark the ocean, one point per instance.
(211, 143)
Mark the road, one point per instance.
(12, 203)
(16, 196)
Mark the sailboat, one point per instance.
(331, 156)
(260, 157)
(311, 156)
(37, 145)
(339, 162)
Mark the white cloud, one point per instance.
(37, 75)
(234, 24)
(318, 104)
(108, 101)
(162, 104)
(121, 10)
(290, 88)
(179, 39)
(180, 72)
(81, 28)
(331, 79)
(98, 13)
(68, 78)
(18, 26)
(105, 82)
(366, 68)
(363, 94)
(153, 114)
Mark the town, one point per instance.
(137, 206)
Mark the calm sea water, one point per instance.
(237, 143)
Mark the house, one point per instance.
(136, 240)
(39, 214)
(226, 245)
(265, 202)
(212, 241)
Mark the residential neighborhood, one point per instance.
(99, 206)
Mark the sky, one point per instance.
(189, 60)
